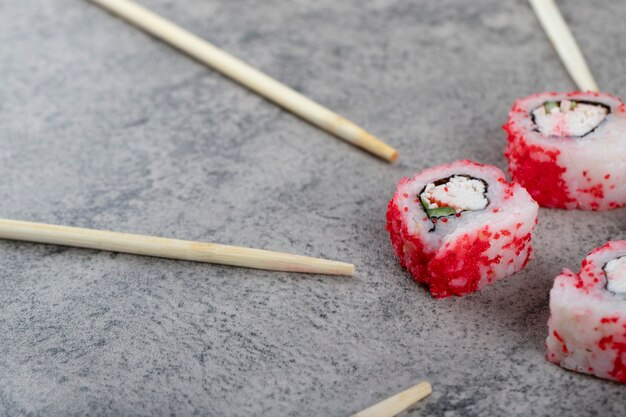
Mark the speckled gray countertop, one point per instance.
(102, 126)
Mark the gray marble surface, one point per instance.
(102, 126)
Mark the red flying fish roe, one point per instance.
(456, 263)
(586, 172)
(587, 325)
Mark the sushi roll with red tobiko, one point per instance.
(461, 226)
(587, 325)
(569, 149)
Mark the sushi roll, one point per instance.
(567, 149)
(587, 325)
(461, 226)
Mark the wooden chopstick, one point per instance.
(563, 41)
(169, 248)
(248, 76)
(398, 403)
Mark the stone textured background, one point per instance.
(102, 126)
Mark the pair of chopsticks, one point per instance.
(258, 82)
(563, 41)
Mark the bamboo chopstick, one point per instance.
(399, 402)
(563, 41)
(169, 248)
(248, 76)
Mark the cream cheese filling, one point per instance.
(458, 194)
(615, 271)
(568, 117)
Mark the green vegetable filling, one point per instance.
(550, 105)
(436, 212)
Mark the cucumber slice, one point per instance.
(441, 212)
(437, 212)
(550, 105)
